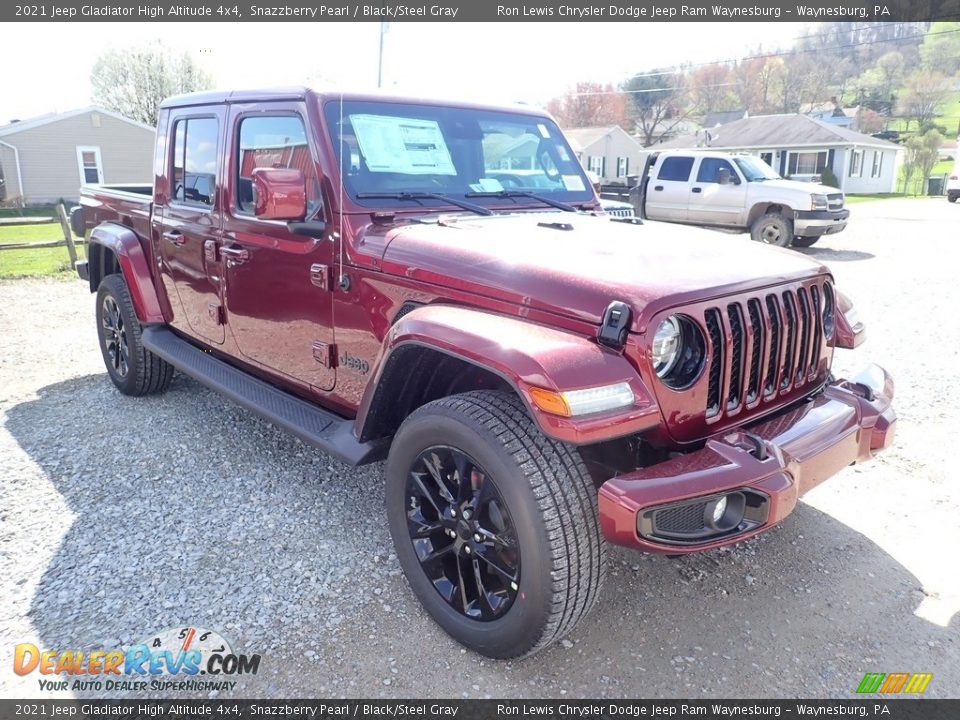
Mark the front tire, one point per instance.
(495, 525)
(132, 369)
(805, 240)
(772, 229)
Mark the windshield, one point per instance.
(755, 169)
(389, 149)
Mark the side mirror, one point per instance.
(725, 176)
(279, 194)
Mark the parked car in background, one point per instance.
(716, 189)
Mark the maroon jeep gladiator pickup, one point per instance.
(434, 283)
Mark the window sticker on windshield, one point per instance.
(402, 145)
(543, 130)
(573, 183)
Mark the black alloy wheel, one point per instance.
(462, 533)
(116, 351)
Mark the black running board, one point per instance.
(314, 425)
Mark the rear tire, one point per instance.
(772, 229)
(484, 444)
(133, 369)
(805, 240)
(952, 198)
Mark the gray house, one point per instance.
(801, 148)
(49, 157)
(610, 152)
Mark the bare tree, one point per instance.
(922, 153)
(658, 102)
(134, 81)
(923, 96)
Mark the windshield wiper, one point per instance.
(523, 193)
(478, 209)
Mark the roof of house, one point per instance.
(21, 125)
(583, 137)
(722, 117)
(777, 131)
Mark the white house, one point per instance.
(47, 158)
(801, 147)
(610, 152)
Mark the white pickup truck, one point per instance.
(716, 189)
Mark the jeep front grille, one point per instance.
(761, 348)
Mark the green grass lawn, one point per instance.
(34, 262)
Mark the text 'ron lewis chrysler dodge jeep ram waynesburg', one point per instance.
(541, 379)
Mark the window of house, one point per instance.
(195, 161)
(91, 167)
(676, 168)
(595, 164)
(278, 141)
(856, 163)
(623, 167)
(709, 171)
(877, 164)
(807, 163)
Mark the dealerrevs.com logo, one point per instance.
(174, 659)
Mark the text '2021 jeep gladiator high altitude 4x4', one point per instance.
(540, 379)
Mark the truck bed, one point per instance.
(128, 204)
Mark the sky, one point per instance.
(495, 62)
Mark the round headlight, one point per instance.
(666, 346)
(829, 311)
(678, 352)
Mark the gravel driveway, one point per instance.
(121, 517)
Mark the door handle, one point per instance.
(658, 187)
(235, 255)
(174, 236)
(696, 190)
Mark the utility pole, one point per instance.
(384, 27)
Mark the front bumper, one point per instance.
(771, 463)
(819, 222)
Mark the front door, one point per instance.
(190, 227)
(668, 194)
(278, 286)
(715, 204)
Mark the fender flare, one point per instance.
(125, 246)
(525, 355)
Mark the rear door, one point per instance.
(278, 286)
(191, 220)
(712, 203)
(668, 191)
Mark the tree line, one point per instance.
(905, 71)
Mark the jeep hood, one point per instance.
(575, 265)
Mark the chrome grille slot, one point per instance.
(736, 357)
(756, 349)
(712, 319)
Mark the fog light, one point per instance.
(719, 508)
